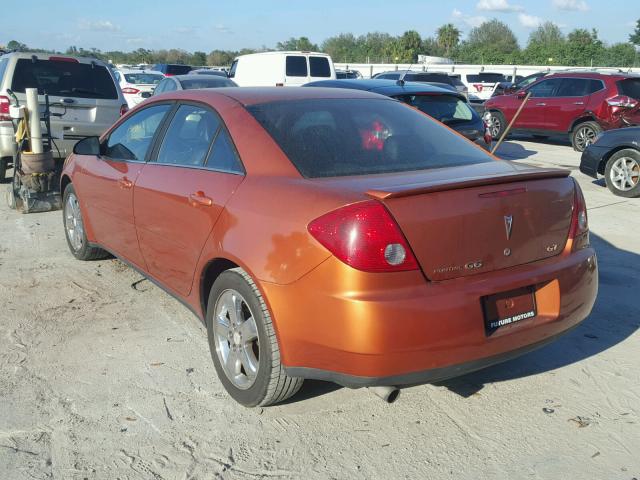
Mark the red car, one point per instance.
(578, 104)
(332, 234)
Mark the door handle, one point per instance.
(578, 103)
(541, 104)
(125, 183)
(199, 198)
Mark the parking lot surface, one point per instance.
(105, 378)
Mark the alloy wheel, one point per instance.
(236, 339)
(73, 222)
(495, 126)
(585, 137)
(625, 173)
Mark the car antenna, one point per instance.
(400, 81)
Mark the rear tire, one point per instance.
(243, 343)
(497, 124)
(4, 165)
(74, 228)
(583, 135)
(622, 173)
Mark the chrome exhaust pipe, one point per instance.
(387, 393)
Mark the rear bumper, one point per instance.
(7, 140)
(361, 329)
(590, 160)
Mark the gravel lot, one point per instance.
(99, 380)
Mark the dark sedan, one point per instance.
(616, 155)
(450, 108)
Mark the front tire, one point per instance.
(497, 124)
(74, 228)
(622, 173)
(583, 135)
(243, 343)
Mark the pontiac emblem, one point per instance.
(508, 223)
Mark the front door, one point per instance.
(107, 186)
(568, 103)
(180, 194)
(532, 116)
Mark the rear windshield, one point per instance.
(206, 82)
(178, 69)
(428, 77)
(71, 79)
(447, 109)
(143, 78)
(346, 137)
(630, 87)
(486, 78)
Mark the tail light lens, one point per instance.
(478, 87)
(130, 90)
(488, 138)
(366, 237)
(124, 108)
(622, 101)
(4, 108)
(579, 230)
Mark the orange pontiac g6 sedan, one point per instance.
(332, 234)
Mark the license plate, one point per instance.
(507, 308)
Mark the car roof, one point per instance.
(49, 56)
(133, 70)
(383, 86)
(591, 74)
(195, 76)
(436, 72)
(258, 95)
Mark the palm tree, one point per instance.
(448, 37)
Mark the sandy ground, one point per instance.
(102, 381)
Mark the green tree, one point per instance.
(583, 47)
(490, 43)
(617, 55)
(219, 58)
(448, 38)
(546, 45)
(635, 36)
(342, 47)
(302, 43)
(15, 45)
(410, 46)
(199, 59)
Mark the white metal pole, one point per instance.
(34, 120)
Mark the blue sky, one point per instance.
(207, 25)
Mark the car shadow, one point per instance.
(614, 319)
(513, 151)
(610, 322)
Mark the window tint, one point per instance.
(223, 155)
(3, 66)
(70, 79)
(428, 77)
(319, 67)
(178, 69)
(189, 136)
(486, 78)
(204, 81)
(630, 87)
(132, 139)
(232, 70)
(343, 137)
(143, 78)
(447, 109)
(573, 87)
(594, 86)
(545, 88)
(296, 66)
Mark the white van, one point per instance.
(281, 69)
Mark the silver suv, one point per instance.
(82, 89)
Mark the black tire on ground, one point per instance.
(79, 247)
(4, 164)
(498, 124)
(271, 384)
(584, 134)
(622, 173)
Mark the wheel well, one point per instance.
(64, 181)
(603, 163)
(580, 120)
(210, 273)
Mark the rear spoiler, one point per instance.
(409, 189)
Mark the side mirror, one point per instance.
(521, 94)
(145, 94)
(88, 146)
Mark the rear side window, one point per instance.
(573, 87)
(223, 155)
(594, 86)
(66, 79)
(347, 137)
(131, 140)
(142, 78)
(486, 78)
(629, 87)
(189, 136)
(319, 67)
(178, 69)
(447, 109)
(296, 66)
(3, 66)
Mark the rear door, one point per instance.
(568, 103)
(319, 68)
(296, 70)
(180, 194)
(105, 184)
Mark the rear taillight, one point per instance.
(124, 108)
(622, 101)
(478, 87)
(365, 236)
(130, 90)
(579, 230)
(4, 108)
(488, 138)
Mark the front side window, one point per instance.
(319, 67)
(131, 140)
(545, 88)
(347, 137)
(189, 136)
(296, 66)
